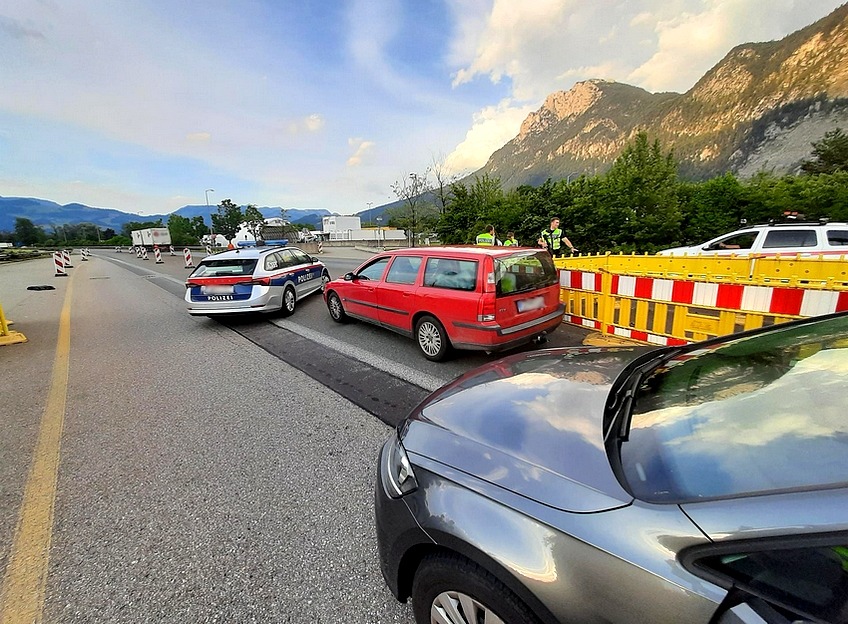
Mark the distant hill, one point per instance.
(48, 214)
(758, 109)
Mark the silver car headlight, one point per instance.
(398, 471)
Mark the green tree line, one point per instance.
(640, 204)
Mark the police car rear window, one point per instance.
(232, 266)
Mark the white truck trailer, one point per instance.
(149, 237)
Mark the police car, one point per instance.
(259, 279)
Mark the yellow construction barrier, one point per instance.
(670, 300)
(8, 336)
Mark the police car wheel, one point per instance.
(289, 301)
(334, 305)
(432, 339)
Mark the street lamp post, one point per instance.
(211, 234)
(370, 221)
(379, 229)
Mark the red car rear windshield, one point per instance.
(524, 271)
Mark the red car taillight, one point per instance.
(260, 281)
(486, 308)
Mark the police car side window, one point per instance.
(300, 257)
(271, 262)
(286, 258)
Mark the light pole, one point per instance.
(370, 222)
(211, 235)
(379, 229)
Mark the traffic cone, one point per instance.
(59, 264)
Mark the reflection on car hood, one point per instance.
(531, 424)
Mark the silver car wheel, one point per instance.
(289, 301)
(454, 607)
(429, 338)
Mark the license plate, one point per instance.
(220, 297)
(534, 303)
(216, 290)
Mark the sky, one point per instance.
(149, 105)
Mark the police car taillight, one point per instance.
(260, 281)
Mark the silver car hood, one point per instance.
(531, 424)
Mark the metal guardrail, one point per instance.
(669, 300)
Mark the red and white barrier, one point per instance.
(84, 255)
(66, 257)
(744, 298)
(171, 250)
(59, 264)
(320, 247)
(158, 255)
(118, 249)
(138, 251)
(144, 253)
(188, 263)
(208, 250)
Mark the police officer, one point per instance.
(552, 239)
(510, 240)
(487, 237)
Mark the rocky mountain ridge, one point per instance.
(759, 108)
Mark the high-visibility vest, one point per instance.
(553, 238)
(510, 242)
(485, 239)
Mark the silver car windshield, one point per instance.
(763, 413)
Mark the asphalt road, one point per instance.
(201, 479)
(206, 471)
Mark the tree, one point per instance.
(830, 154)
(641, 209)
(228, 219)
(255, 221)
(442, 188)
(184, 231)
(411, 190)
(27, 233)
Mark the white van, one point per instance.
(785, 239)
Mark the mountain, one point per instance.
(48, 214)
(759, 108)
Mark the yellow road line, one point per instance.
(25, 579)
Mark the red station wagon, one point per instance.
(484, 298)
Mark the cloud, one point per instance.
(15, 29)
(198, 137)
(491, 128)
(310, 123)
(361, 149)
